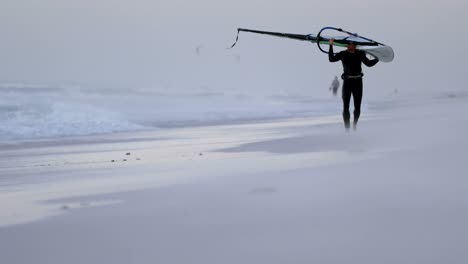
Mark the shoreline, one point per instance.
(92, 160)
(296, 190)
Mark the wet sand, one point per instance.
(286, 191)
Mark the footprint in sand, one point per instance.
(263, 191)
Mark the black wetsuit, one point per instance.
(352, 79)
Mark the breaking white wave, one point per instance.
(61, 119)
(31, 112)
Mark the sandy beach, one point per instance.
(299, 190)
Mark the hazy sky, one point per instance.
(151, 44)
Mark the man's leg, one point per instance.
(346, 95)
(357, 98)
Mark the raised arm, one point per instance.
(331, 56)
(366, 61)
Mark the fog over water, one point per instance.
(152, 43)
(179, 47)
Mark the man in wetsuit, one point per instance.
(352, 59)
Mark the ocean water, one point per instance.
(36, 111)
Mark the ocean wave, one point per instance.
(30, 88)
(49, 112)
(59, 120)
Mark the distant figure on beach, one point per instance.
(198, 50)
(335, 85)
(352, 58)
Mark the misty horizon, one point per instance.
(145, 44)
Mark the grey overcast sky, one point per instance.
(151, 44)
